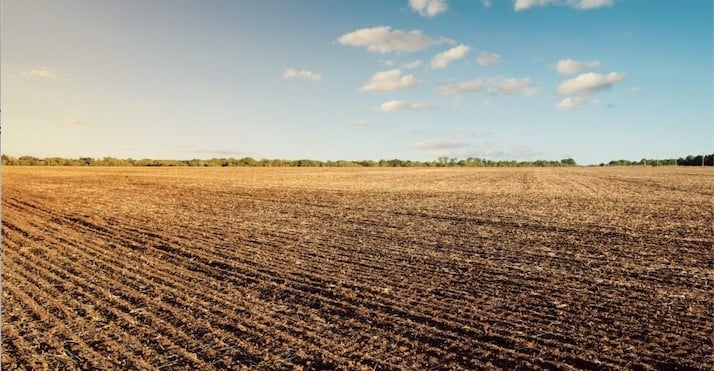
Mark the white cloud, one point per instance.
(589, 83)
(411, 65)
(511, 86)
(591, 4)
(570, 103)
(577, 4)
(393, 105)
(390, 81)
(525, 4)
(454, 89)
(494, 86)
(387, 62)
(396, 105)
(383, 40)
(41, 72)
(442, 59)
(437, 145)
(634, 90)
(488, 59)
(428, 8)
(486, 3)
(292, 73)
(571, 67)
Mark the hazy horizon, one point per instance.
(592, 80)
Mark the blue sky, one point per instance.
(595, 80)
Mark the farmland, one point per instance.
(195, 268)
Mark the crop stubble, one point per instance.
(190, 268)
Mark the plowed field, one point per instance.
(140, 268)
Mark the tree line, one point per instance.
(691, 160)
(251, 162)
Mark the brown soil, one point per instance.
(138, 268)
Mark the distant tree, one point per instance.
(28, 161)
(394, 163)
(699, 160)
(306, 163)
(8, 160)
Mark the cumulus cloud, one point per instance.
(571, 67)
(396, 105)
(393, 105)
(412, 65)
(454, 89)
(390, 81)
(494, 86)
(525, 4)
(591, 4)
(488, 59)
(589, 83)
(292, 73)
(512, 86)
(436, 145)
(577, 4)
(428, 8)
(486, 3)
(570, 103)
(383, 39)
(634, 90)
(42, 73)
(442, 59)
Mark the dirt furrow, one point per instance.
(314, 268)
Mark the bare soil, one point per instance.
(228, 268)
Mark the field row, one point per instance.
(221, 269)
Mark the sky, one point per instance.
(593, 80)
